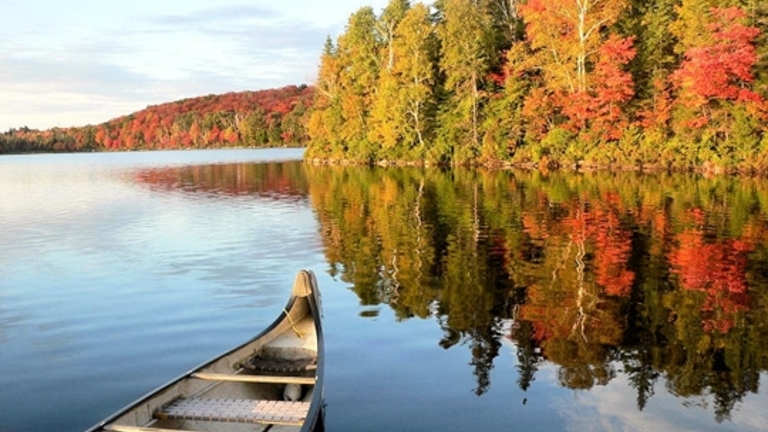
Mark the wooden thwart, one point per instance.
(255, 378)
(236, 410)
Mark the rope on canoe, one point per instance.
(293, 325)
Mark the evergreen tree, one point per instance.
(326, 118)
(757, 14)
(656, 57)
(505, 125)
(467, 53)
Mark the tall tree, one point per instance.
(505, 125)
(387, 24)
(417, 48)
(574, 52)
(358, 52)
(403, 115)
(649, 22)
(387, 112)
(326, 118)
(655, 48)
(467, 44)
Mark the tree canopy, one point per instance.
(267, 118)
(672, 83)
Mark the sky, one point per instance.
(78, 62)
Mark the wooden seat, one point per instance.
(236, 410)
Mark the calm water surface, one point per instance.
(453, 300)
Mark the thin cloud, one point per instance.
(212, 16)
(251, 31)
(41, 75)
(68, 66)
(614, 408)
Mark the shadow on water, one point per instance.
(657, 277)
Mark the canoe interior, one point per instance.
(294, 339)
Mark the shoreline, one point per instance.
(708, 170)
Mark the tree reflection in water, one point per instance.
(654, 276)
(659, 277)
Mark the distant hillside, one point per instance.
(265, 118)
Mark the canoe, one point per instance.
(274, 382)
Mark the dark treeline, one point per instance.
(266, 118)
(671, 83)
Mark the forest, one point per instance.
(588, 83)
(670, 84)
(266, 118)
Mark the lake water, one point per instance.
(454, 300)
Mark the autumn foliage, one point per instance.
(676, 84)
(248, 119)
(722, 68)
(673, 84)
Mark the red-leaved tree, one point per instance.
(720, 70)
(600, 109)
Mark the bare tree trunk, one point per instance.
(475, 97)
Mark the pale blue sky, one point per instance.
(78, 62)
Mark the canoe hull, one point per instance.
(194, 401)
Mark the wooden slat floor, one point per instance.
(237, 410)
